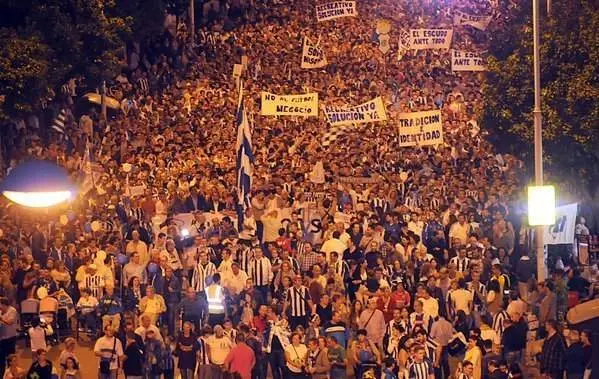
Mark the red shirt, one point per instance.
(386, 306)
(241, 360)
(260, 324)
(403, 296)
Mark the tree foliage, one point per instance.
(53, 41)
(570, 88)
(24, 67)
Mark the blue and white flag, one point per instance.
(245, 160)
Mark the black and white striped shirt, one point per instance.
(482, 289)
(499, 323)
(461, 264)
(95, 283)
(261, 272)
(297, 299)
(245, 256)
(201, 274)
(420, 370)
(203, 352)
(143, 86)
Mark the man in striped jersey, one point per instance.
(420, 367)
(261, 273)
(461, 262)
(432, 350)
(200, 278)
(299, 304)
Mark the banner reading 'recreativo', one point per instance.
(467, 61)
(289, 105)
(420, 128)
(313, 55)
(421, 39)
(479, 22)
(336, 9)
(371, 111)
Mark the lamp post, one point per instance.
(538, 135)
(37, 184)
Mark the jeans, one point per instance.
(260, 369)
(276, 358)
(111, 375)
(264, 291)
(171, 318)
(187, 373)
(7, 347)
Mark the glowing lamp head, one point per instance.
(184, 232)
(541, 205)
(37, 184)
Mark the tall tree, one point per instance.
(570, 81)
(24, 67)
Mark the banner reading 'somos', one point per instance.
(420, 128)
(421, 39)
(289, 105)
(467, 61)
(336, 9)
(371, 111)
(479, 22)
(312, 55)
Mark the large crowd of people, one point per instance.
(357, 259)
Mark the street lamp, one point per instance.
(37, 184)
(541, 212)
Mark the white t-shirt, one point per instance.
(219, 348)
(105, 345)
(461, 298)
(298, 355)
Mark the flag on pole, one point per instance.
(245, 160)
(59, 121)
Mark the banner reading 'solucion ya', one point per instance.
(467, 61)
(371, 111)
(420, 128)
(336, 9)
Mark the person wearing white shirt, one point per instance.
(236, 280)
(430, 305)
(416, 225)
(109, 348)
(219, 346)
(225, 266)
(459, 231)
(333, 244)
(461, 299)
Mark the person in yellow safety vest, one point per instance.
(215, 296)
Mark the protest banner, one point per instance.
(336, 9)
(358, 179)
(137, 190)
(313, 55)
(562, 232)
(467, 61)
(371, 111)
(420, 128)
(421, 39)
(478, 22)
(289, 105)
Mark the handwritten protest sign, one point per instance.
(478, 22)
(371, 111)
(467, 61)
(420, 128)
(421, 39)
(336, 9)
(312, 55)
(289, 105)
